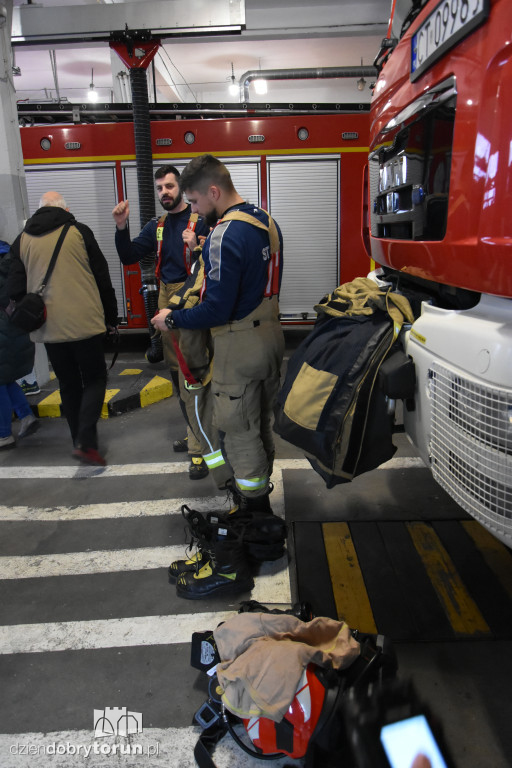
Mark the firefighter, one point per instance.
(243, 268)
(172, 237)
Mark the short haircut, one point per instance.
(202, 172)
(164, 170)
(53, 200)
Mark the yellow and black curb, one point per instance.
(127, 389)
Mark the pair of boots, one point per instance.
(227, 545)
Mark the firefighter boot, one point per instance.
(203, 532)
(200, 532)
(245, 507)
(226, 573)
(264, 533)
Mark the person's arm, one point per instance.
(132, 251)
(17, 277)
(99, 268)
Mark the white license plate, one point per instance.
(449, 22)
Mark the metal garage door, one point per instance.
(90, 192)
(303, 196)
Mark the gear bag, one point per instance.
(311, 723)
(329, 404)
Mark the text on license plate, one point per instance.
(448, 23)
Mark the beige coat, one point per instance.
(74, 308)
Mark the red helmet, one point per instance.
(292, 734)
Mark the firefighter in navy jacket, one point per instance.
(242, 257)
(172, 237)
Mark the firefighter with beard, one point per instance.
(172, 237)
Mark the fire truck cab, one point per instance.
(439, 182)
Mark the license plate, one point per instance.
(449, 22)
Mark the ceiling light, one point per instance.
(92, 93)
(233, 87)
(260, 86)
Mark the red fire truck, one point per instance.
(438, 213)
(303, 168)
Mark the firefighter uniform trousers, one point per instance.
(246, 374)
(196, 348)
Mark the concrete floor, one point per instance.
(89, 621)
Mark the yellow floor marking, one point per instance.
(157, 389)
(109, 394)
(130, 372)
(50, 406)
(459, 606)
(495, 554)
(350, 595)
(52, 376)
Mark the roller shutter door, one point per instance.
(304, 200)
(90, 192)
(245, 177)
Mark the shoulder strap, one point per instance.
(271, 228)
(54, 257)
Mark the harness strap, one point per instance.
(182, 363)
(272, 285)
(187, 255)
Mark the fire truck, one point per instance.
(438, 225)
(303, 165)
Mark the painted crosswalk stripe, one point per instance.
(159, 468)
(107, 633)
(100, 561)
(108, 510)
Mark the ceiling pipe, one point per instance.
(318, 73)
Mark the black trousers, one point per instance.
(82, 373)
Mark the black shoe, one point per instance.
(180, 446)
(197, 468)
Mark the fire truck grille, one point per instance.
(472, 446)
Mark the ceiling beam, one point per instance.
(33, 24)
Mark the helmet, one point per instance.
(291, 736)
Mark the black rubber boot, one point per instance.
(200, 532)
(263, 533)
(246, 506)
(227, 572)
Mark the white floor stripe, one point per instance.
(272, 585)
(107, 510)
(129, 470)
(155, 748)
(108, 633)
(101, 561)
(110, 561)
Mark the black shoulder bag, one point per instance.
(29, 314)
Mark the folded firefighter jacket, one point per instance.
(329, 404)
